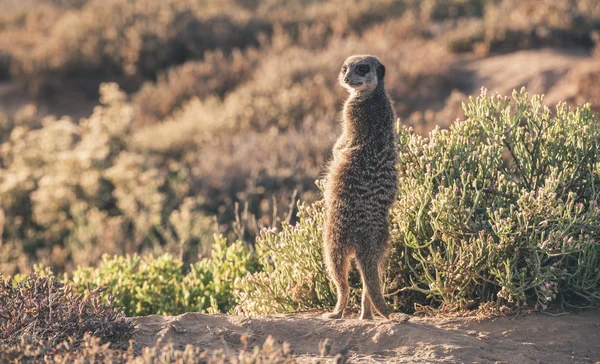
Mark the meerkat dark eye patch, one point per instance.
(362, 69)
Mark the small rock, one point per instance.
(178, 330)
(401, 319)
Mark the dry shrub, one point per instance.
(72, 40)
(93, 351)
(42, 309)
(42, 320)
(514, 24)
(453, 9)
(215, 75)
(313, 23)
(21, 26)
(141, 38)
(296, 87)
(259, 167)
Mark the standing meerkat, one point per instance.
(361, 185)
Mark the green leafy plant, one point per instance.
(210, 283)
(503, 206)
(158, 285)
(293, 275)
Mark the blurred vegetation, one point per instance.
(223, 109)
(74, 191)
(224, 105)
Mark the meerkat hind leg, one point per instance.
(369, 270)
(338, 264)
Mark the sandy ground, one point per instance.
(540, 71)
(535, 338)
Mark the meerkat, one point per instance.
(361, 185)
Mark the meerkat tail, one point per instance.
(338, 266)
(369, 269)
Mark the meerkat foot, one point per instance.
(332, 315)
(366, 316)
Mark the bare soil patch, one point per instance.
(535, 338)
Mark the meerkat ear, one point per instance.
(380, 72)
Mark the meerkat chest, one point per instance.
(360, 169)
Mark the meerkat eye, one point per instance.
(363, 69)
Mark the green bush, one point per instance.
(293, 276)
(501, 207)
(210, 283)
(158, 285)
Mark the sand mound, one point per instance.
(536, 338)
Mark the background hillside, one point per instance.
(146, 126)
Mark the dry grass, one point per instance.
(40, 309)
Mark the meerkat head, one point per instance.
(361, 74)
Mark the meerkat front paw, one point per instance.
(366, 316)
